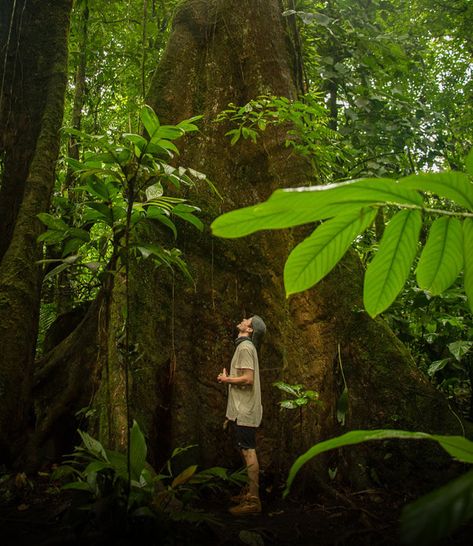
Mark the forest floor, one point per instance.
(37, 513)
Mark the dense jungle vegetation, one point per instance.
(169, 166)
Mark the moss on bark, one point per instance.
(43, 59)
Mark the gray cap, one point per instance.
(259, 329)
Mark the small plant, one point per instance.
(300, 397)
(103, 475)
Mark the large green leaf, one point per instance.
(139, 141)
(437, 365)
(155, 213)
(150, 120)
(168, 132)
(102, 189)
(435, 515)
(119, 463)
(188, 125)
(167, 145)
(93, 446)
(184, 476)
(186, 212)
(138, 451)
(100, 157)
(389, 269)
(457, 446)
(350, 438)
(452, 185)
(81, 486)
(442, 257)
(459, 348)
(104, 212)
(52, 222)
(296, 206)
(468, 258)
(312, 259)
(285, 387)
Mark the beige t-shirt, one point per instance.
(244, 401)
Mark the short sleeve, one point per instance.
(246, 358)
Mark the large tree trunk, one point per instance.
(223, 51)
(34, 42)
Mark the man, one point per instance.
(244, 409)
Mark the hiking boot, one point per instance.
(237, 499)
(249, 506)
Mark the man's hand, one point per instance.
(221, 377)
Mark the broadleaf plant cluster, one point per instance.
(102, 474)
(121, 188)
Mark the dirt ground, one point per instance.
(38, 513)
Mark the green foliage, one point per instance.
(123, 185)
(431, 517)
(124, 43)
(442, 257)
(306, 121)
(397, 81)
(299, 395)
(318, 254)
(437, 331)
(103, 475)
(348, 208)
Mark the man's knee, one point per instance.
(249, 455)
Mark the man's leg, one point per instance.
(246, 442)
(252, 467)
(250, 504)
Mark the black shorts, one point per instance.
(244, 437)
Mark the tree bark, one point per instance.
(223, 51)
(34, 38)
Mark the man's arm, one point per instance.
(246, 378)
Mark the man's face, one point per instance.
(244, 327)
